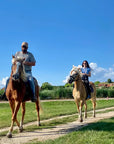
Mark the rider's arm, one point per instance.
(29, 63)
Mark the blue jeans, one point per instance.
(31, 82)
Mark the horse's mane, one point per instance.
(23, 74)
(76, 70)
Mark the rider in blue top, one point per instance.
(86, 72)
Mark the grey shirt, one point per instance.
(28, 58)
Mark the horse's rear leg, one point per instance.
(14, 119)
(94, 106)
(38, 111)
(80, 115)
(23, 114)
(85, 113)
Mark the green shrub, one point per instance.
(102, 93)
(46, 86)
(111, 93)
(46, 94)
(58, 93)
(1, 92)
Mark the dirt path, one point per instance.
(55, 132)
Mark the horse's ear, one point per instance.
(79, 69)
(13, 56)
(13, 59)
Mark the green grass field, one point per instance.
(50, 109)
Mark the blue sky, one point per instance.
(60, 33)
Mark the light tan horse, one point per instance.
(79, 92)
(17, 96)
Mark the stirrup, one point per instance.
(88, 97)
(34, 99)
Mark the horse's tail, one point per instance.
(93, 94)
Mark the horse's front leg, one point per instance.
(85, 113)
(80, 114)
(79, 108)
(23, 114)
(12, 105)
(14, 119)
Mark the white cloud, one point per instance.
(3, 82)
(101, 74)
(66, 80)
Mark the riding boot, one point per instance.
(88, 96)
(34, 99)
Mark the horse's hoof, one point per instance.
(39, 124)
(80, 120)
(85, 116)
(20, 129)
(9, 135)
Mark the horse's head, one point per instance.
(17, 68)
(74, 74)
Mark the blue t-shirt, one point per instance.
(85, 70)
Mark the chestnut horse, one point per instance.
(79, 92)
(16, 94)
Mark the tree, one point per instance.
(97, 82)
(109, 81)
(46, 86)
(68, 85)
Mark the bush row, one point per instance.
(103, 93)
(59, 93)
(66, 92)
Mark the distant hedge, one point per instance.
(103, 93)
(61, 93)
(66, 92)
(58, 93)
